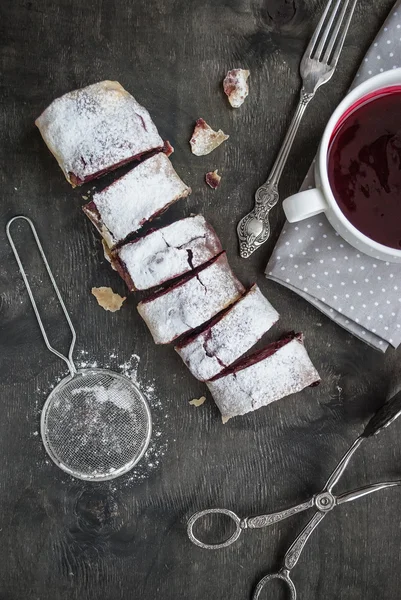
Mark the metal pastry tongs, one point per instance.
(324, 502)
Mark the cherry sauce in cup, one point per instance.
(364, 165)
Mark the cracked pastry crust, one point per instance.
(227, 337)
(195, 299)
(280, 369)
(136, 198)
(95, 129)
(166, 253)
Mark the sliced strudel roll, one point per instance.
(95, 129)
(280, 369)
(136, 198)
(195, 299)
(166, 253)
(227, 337)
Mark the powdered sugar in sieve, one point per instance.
(95, 424)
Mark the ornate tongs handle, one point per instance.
(254, 229)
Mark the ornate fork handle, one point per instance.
(254, 229)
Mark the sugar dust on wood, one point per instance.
(157, 449)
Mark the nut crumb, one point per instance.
(108, 299)
(213, 179)
(198, 401)
(204, 139)
(224, 420)
(85, 197)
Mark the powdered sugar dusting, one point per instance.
(139, 196)
(169, 252)
(192, 302)
(234, 334)
(285, 372)
(95, 128)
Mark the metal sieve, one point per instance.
(95, 424)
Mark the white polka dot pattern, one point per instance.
(353, 290)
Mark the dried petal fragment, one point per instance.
(198, 401)
(107, 299)
(236, 87)
(204, 139)
(213, 179)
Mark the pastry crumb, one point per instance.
(204, 139)
(108, 299)
(213, 179)
(198, 401)
(224, 419)
(108, 255)
(168, 148)
(236, 87)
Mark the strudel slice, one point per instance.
(195, 299)
(136, 198)
(227, 337)
(95, 129)
(280, 369)
(166, 253)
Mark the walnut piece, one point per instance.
(198, 401)
(107, 299)
(236, 87)
(204, 139)
(213, 179)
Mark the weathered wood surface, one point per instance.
(63, 539)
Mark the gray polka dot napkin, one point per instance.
(357, 292)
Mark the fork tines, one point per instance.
(328, 39)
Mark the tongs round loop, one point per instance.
(210, 511)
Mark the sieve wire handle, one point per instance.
(68, 360)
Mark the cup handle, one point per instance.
(304, 205)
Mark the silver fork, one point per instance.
(317, 67)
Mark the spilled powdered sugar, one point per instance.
(152, 459)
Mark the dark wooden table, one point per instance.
(64, 539)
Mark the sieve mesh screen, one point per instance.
(96, 425)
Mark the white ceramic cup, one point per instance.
(321, 199)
